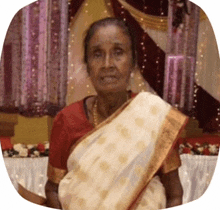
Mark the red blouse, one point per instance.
(69, 125)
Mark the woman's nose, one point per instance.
(108, 60)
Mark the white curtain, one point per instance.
(195, 174)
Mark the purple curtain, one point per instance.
(10, 67)
(34, 60)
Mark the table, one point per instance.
(195, 174)
(31, 173)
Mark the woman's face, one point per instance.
(109, 59)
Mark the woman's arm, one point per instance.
(173, 188)
(51, 191)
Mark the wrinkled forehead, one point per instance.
(110, 34)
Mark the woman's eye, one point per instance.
(118, 52)
(97, 54)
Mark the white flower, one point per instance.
(18, 147)
(30, 146)
(36, 153)
(47, 145)
(189, 145)
(200, 149)
(23, 152)
(213, 149)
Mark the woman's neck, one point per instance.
(107, 104)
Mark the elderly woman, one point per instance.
(114, 150)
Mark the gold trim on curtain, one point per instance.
(151, 21)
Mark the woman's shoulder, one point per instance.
(73, 107)
(74, 112)
(71, 112)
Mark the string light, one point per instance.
(86, 11)
(199, 65)
(218, 118)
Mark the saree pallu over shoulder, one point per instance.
(111, 166)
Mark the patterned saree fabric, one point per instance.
(114, 166)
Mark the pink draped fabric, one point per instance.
(34, 60)
(180, 65)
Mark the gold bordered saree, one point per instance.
(114, 166)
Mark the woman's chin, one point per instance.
(111, 89)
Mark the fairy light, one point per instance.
(122, 13)
(199, 65)
(86, 5)
(195, 100)
(70, 82)
(218, 118)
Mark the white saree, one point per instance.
(114, 166)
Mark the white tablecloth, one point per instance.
(30, 172)
(195, 174)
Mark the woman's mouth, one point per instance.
(109, 79)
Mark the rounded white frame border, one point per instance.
(8, 195)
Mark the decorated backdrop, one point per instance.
(47, 33)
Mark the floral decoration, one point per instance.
(29, 150)
(199, 148)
